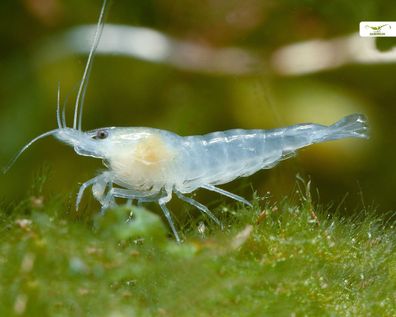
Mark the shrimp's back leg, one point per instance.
(226, 193)
(201, 207)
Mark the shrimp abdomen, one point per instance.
(220, 157)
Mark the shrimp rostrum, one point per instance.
(150, 165)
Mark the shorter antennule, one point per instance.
(7, 168)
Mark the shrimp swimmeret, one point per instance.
(147, 164)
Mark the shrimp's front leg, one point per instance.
(99, 182)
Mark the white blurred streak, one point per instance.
(229, 61)
(151, 45)
(306, 57)
(318, 55)
(141, 43)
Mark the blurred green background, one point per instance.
(126, 91)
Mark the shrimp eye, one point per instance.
(101, 134)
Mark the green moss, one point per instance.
(281, 259)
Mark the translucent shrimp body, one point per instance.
(147, 159)
(150, 164)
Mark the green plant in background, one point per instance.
(283, 258)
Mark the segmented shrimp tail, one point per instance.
(352, 126)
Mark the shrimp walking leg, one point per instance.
(226, 193)
(129, 195)
(109, 201)
(162, 202)
(201, 207)
(129, 203)
(101, 179)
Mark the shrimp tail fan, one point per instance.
(352, 126)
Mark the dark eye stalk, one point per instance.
(101, 134)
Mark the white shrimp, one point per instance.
(150, 165)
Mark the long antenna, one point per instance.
(58, 114)
(84, 81)
(6, 169)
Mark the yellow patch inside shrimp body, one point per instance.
(152, 151)
(145, 164)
